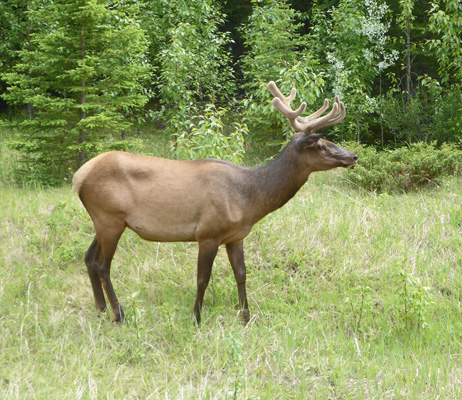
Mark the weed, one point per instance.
(235, 365)
(415, 300)
(360, 302)
(134, 315)
(168, 315)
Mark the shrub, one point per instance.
(403, 169)
(207, 139)
(432, 114)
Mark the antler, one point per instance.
(313, 121)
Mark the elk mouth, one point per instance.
(355, 161)
(350, 164)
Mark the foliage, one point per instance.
(207, 139)
(273, 41)
(68, 93)
(358, 50)
(194, 65)
(432, 114)
(446, 23)
(405, 168)
(83, 75)
(13, 31)
(448, 116)
(271, 36)
(404, 119)
(415, 300)
(405, 21)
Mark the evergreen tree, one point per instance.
(14, 34)
(83, 74)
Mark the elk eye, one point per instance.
(321, 147)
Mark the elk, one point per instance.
(207, 201)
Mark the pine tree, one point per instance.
(83, 74)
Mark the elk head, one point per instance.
(320, 154)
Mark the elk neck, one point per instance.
(275, 183)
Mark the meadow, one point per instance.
(353, 295)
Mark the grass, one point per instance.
(352, 295)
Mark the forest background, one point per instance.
(355, 286)
(83, 76)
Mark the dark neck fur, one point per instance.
(275, 183)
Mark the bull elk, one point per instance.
(207, 201)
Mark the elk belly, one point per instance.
(159, 231)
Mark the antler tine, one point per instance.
(287, 111)
(317, 113)
(313, 121)
(341, 114)
(277, 93)
(335, 116)
(282, 103)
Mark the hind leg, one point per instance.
(207, 252)
(98, 259)
(108, 245)
(91, 260)
(236, 258)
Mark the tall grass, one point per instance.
(352, 295)
(8, 158)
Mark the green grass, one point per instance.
(352, 295)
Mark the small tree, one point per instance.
(358, 53)
(194, 66)
(272, 38)
(206, 138)
(276, 52)
(405, 21)
(446, 24)
(83, 73)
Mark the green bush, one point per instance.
(207, 139)
(403, 169)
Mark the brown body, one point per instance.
(211, 202)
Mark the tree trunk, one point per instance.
(30, 110)
(29, 106)
(408, 61)
(83, 114)
(381, 110)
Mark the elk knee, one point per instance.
(202, 283)
(240, 275)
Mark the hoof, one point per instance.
(119, 315)
(245, 316)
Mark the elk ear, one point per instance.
(307, 141)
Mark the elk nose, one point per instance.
(355, 157)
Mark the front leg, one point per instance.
(236, 258)
(207, 253)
